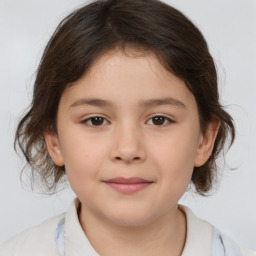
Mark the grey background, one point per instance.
(230, 29)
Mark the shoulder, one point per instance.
(246, 252)
(222, 244)
(38, 240)
(205, 239)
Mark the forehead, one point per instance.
(127, 61)
(130, 76)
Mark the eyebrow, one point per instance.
(143, 104)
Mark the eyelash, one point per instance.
(91, 118)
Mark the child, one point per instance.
(126, 106)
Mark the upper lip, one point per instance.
(132, 180)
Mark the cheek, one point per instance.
(174, 158)
(176, 152)
(83, 157)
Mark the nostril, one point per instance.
(126, 159)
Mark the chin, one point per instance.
(131, 219)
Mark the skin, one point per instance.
(129, 142)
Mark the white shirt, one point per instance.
(63, 235)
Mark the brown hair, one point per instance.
(89, 32)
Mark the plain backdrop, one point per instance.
(230, 29)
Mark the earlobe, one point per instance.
(206, 142)
(53, 147)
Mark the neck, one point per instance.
(163, 236)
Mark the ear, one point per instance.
(206, 142)
(53, 147)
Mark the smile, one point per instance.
(128, 185)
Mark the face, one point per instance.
(129, 137)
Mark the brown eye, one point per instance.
(160, 120)
(97, 120)
(94, 121)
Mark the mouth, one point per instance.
(128, 185)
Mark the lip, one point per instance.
(128, 185)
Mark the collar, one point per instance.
(76, 241)
(198, 237)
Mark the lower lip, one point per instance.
(128, 188)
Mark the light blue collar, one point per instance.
(60, 237)
(221, 244)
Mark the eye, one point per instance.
(95, 121)
(99, 121)
(160, 120)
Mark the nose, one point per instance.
(127, 144)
